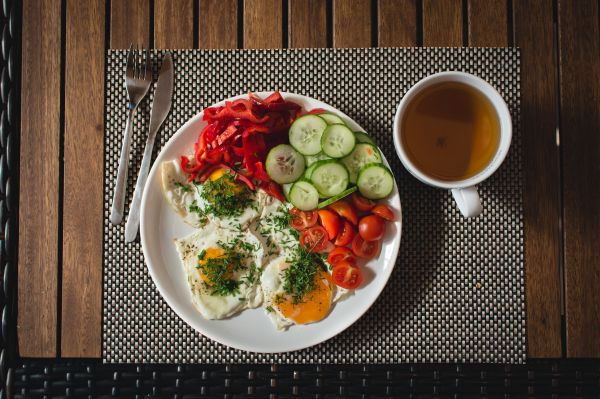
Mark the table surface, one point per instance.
(62, 128)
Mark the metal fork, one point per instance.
(138, 77)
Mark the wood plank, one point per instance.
(351, 23)
(129, 23)
(263, 24)
(442, 23)
(533, 33)
(487, 23)
(218, 24)
(307, 23)
(397, 21)
(579, 41)
(83, 194)
(39, 181)
(173, 24)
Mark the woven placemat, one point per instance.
(458, 290)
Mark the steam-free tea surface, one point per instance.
(450, 131)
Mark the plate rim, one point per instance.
(171, 301)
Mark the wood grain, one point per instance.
(218, 24)
(487, 23)
(263, 22)
(442, 23)
(83, 177)
(307, 23)
(351, 23)
(579, 41)
(397, 21)
(39, 180)
(173, 24)
(129, 23)
(533, 33)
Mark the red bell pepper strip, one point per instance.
(316, 111)
(187, 167)
(273, 189)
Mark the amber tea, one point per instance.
(450, 131)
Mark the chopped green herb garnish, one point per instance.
(219, 270)
(225, 198)
(183, 187)
(269, 309)
(299, 278)
(194, 208)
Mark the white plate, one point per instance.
(251, 330)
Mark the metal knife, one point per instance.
(161, 105)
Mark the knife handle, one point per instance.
(133, 220)
(118, 202)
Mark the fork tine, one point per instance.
(130, 69)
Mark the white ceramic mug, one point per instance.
(464, 191)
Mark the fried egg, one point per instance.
(189, 200)
(273, 230)
(222, 268)
(280, 307)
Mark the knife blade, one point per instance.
(161, 105)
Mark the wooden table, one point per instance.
(61, 162)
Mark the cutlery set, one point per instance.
(138, 79)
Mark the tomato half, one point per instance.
(371, 228)
(345, 210)
(339, 254)
(331, 221)
(345, 235)
(365, 249)
(302, 220)
(347, 275)
(361, 203)
(385, 212)
(314, 239)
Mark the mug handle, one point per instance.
(467, 200)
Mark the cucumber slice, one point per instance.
(338, 141)
(305, 134)
(311, 159)
(330, 178)
(284, 164)
(331, 200)
(375, 181)
(362, 154)
(332, 119)
(304, 196)
(362, 137)
(310, 169)
(286, 190)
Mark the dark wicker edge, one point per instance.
(29, 378)
(10, 25)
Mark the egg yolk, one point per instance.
(219, 173)
(211, 253)
(315, 305)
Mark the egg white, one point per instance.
(271, 282)
(277, 241)
(181, 194)
(217, 306)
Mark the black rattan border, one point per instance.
(33, 378)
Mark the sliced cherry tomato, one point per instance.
(314, 239)
(371, 228)
(347, 275)
(385, 212)
(302, 220)
(345, 210)
(339, 254)
(345, 235)
(361, 203)
(331, 221)
(365, 249)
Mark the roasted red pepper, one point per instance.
(237, 137)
